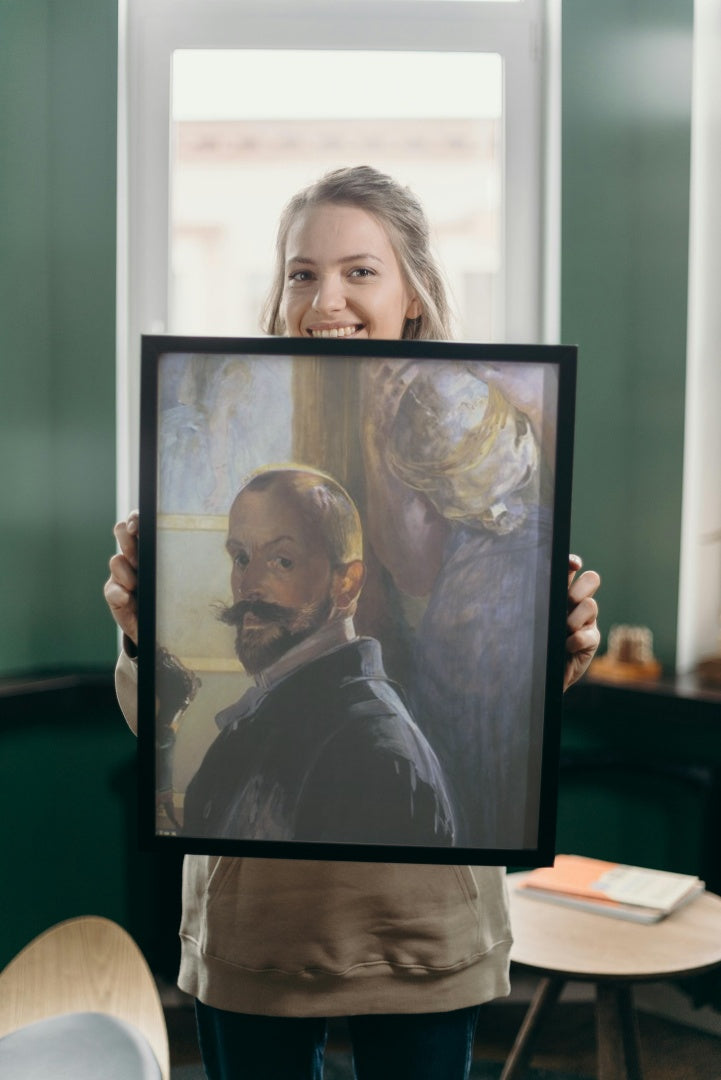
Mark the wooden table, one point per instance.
(563, 944)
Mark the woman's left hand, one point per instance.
(582, 633)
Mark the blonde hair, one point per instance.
(403, 217)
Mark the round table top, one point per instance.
(559, 940)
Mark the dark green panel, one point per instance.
(68, 785)
(58, 74)
(641, 777)
(68, 790)
(626, 145)
(82, 269)
(643, 821)
(25, 396)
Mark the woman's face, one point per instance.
(342, 277)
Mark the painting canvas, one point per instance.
(352, 596)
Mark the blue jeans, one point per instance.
(416, 1046)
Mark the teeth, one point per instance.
(336, 332)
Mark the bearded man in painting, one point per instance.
(322, 748)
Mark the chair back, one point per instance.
(84, 965)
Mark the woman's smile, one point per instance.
(335, 331)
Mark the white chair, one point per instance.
(80, 1002)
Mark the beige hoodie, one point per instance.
(285, 937)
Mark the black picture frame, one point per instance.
(459, 459)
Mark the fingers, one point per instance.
(123, 572)
(123, 607)
(120, 588)
(119, 599)
(575, 563)
(581, 628)
(583, 587)
(582, 634)
(582, 606)
(126, 534)
(584, 641)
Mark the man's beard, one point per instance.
(259, 646)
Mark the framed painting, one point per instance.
(352, 597)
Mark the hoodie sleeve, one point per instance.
(126, 689)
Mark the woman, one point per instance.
(271, 948)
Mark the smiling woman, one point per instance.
(332, 292)
(353, 259)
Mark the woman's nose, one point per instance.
(329, 296)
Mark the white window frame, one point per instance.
(699, 597)
(526, 34)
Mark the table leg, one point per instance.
(545, 997)
(617, 1033)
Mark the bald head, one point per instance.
(324, 507)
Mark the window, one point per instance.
(235, 161)
(227, 107)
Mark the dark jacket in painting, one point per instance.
(330, 754)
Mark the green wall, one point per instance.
(626, 146)
(67, 762)
(58, 72)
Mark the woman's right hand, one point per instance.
(121, 587)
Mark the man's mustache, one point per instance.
(234, 614)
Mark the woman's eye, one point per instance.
(362, 272)
(300, 276)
